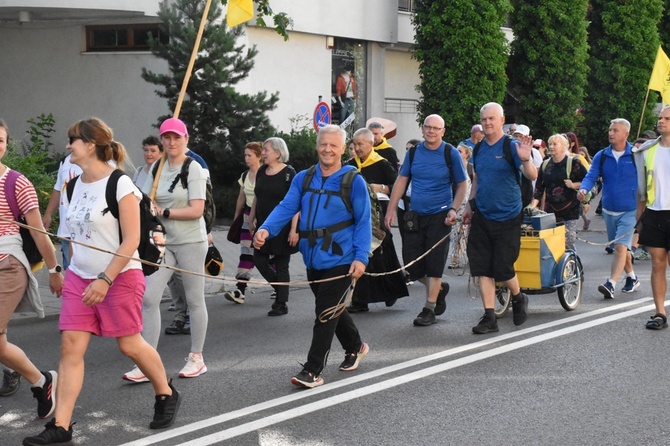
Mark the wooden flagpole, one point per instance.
(639, 128)
(182, 93)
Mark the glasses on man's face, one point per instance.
(73, 138)
(430, 128)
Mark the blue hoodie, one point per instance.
(619, 179)
(326, 210)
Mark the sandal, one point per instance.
(658, 322)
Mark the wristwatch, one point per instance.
(166, 213)
(103, 276)
(55, 269)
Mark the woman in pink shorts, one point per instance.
(103, 293)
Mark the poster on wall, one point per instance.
(348, 83)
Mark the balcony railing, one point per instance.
(399, 105)
(406, 5)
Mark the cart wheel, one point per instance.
(503, 298)
(570, 294)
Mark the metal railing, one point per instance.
(400, 105)
(406, 5)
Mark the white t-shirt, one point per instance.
(179, 232)
(662, 179)
(66, 171)
(86, 223)
(141, 175)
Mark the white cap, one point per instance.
(523, 129)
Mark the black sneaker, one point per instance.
(441, 304)
(11, 381)
(357, 308)
(351, 360)
(176, 327)
(486, 325)
(52, 434)
(165, 409)
(278, 309)
(46, 395)
(520, 310)
(425, 318)
(187, 328)
(307, 379)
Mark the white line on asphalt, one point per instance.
(337, 399)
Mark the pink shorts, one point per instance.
(120, 314)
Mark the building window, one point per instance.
(348, 82)
(122, 37)
(406, 5)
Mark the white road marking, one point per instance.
(384, 385)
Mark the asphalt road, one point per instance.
(593, 376)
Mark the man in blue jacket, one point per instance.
(334, 242)
(616, 166)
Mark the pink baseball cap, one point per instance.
(174, 125)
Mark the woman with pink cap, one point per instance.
(181, 212)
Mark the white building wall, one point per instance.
(298, 69)
(49, 74)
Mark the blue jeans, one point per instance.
(65, 249)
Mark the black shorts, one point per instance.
(654, 229)
(493, 247)
(431, 230)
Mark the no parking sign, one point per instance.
(322, 116)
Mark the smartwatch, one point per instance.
(103, 276)
(166, 213)
(55, 269)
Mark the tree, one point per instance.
(280, 19)
(623, 41)
(462, 54)
(220, 119)
(664, 29)
(547, 66)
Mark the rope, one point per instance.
(335, 311)
(219, 278)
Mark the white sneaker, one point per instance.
(234, 296)
(195, 366)
(136, 376)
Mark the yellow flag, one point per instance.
(239, 11)
(660, 76)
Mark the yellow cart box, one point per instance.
(540, 252)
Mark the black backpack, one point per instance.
(210, 209)
(447, 160)
(152, 232)
(29, 247)
(345, 194)
(525, 185)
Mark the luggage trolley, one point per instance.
(545, 266)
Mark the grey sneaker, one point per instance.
(11, 381)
